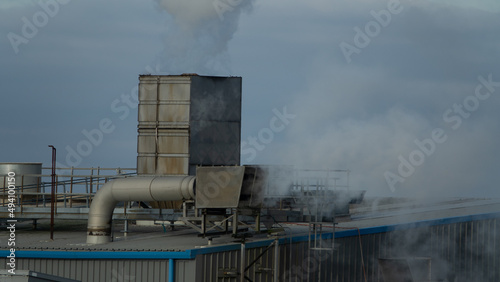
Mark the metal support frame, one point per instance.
(317, 245)
(235, 223)
(274, 244)
(242, 262)
(205, 222)
(276, 260)
(316, 242)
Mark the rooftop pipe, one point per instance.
(147, 189)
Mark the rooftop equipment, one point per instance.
(189, 151)
(184, 122)
(187, 121)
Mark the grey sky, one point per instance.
(80, 68)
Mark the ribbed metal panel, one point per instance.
(465, 251)
(185, 270)
(214, 266)
(101, 270)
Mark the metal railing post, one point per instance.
(53, 192)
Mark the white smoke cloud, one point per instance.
(364, 115)
(346, 124)
(198, 35)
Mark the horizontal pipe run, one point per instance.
(144, 189)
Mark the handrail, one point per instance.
(36, 192)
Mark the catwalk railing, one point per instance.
(284, 189)
(75, 187)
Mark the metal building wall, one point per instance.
(464, 251)
(461, 250)
(212, 267)
(185, 270)
(96, 270)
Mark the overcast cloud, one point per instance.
(363, 109)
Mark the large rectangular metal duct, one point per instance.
(187, 121)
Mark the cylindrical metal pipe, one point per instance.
(242, 262)
(149, 188)
(276, 259)
(52, 192)
(171, 270)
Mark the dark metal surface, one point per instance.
(254, 182)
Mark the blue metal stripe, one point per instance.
(208, 250)
(226, 248)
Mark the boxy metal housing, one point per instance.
(187, 121)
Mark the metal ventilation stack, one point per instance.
(187, 121)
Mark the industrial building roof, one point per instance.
(159, 242)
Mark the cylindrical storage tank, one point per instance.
(27, 179)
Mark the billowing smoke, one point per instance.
(374, 114)
(198, 34)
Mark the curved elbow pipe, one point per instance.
(150, 188)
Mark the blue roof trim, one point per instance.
(232, 247)
(192, 253)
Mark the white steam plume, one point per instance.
(198, 34)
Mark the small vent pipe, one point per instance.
(144, 188)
